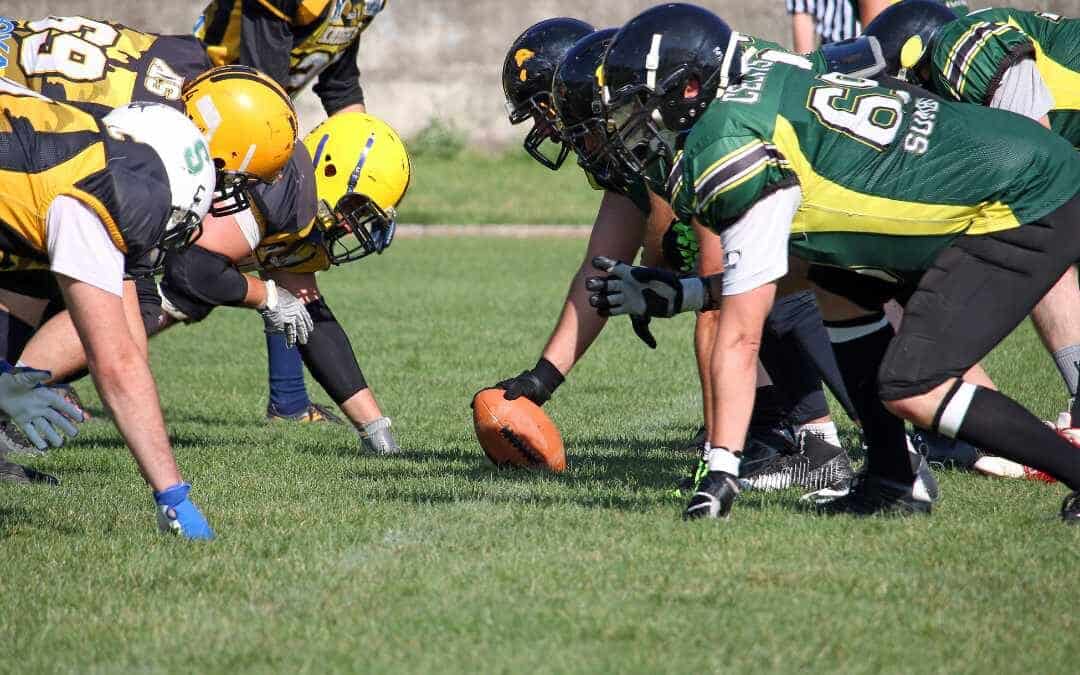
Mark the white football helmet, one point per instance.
(183, 150)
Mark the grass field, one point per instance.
(474, 188)
(436, 562)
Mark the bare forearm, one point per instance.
(802, 28)
(127, 388)
(578, 327)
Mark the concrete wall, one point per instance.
(425, 59)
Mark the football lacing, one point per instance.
(530, 455)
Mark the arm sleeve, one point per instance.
(266, 38)
(80, 248)
(1023, 91)
(338, 85)
(329, 356)
(756, 246)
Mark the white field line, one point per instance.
(500, 231)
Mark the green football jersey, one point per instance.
(888, 176)
(969, 56)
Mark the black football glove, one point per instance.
(641, 329)
(537, 384)
(642, 291)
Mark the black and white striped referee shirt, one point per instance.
(835, 19)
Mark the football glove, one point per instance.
(176, 513)
(283, 313)
(537, 384)
(642, 291)
(41, 413)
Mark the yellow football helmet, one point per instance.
(250, 125)
(362, 171)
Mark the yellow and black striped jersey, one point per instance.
(49, 149)
(99, 65)
(293, 41)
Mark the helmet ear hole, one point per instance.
(219, 164)
(330, 171)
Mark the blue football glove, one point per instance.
(176, 513)
(40, 412)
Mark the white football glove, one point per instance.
(41, 413)
(283, 313)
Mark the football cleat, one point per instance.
(11, 472)
(1070, 509)
(313, 413)
(818, 465)
(377, 439)
(947, 452)
(714, 497)
(872, 495)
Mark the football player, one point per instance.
(549, 79)
(970, 212)
(340, 209)
(1025, 62)
(296, 43)
(81, 196)
(97, 65)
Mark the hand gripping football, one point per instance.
(516, 432)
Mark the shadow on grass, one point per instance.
(17, 516)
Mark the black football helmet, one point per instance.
(528, 71)
(576, 98)
(904, 31)
(652, 62)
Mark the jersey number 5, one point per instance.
(870, 118)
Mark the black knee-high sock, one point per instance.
(993, 420)
(14, 334)
(859, 359)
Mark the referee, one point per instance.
(832, 20)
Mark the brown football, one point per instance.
(516, 432)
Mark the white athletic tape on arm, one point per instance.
(249, 227)
(956, 410)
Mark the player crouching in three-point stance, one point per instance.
(972, 212)
(80, 196)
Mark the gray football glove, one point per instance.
(41, 413)
(283, 313)
(642, 291)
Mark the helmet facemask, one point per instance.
(230, 195)
(355, 228)
(544, 143)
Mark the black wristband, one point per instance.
(548, 374)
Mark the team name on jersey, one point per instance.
(6, 29)
(338, 35)
(749, 89)
(917, 141)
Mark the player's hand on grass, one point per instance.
(40, 412)
(284, 313)
(177, 514)
(642, 291)
(537, 384)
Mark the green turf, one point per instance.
(509, 188)
(435, 562)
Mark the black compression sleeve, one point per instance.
(329, 356)
(339, 85)
(205, 276)
(265, 41)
